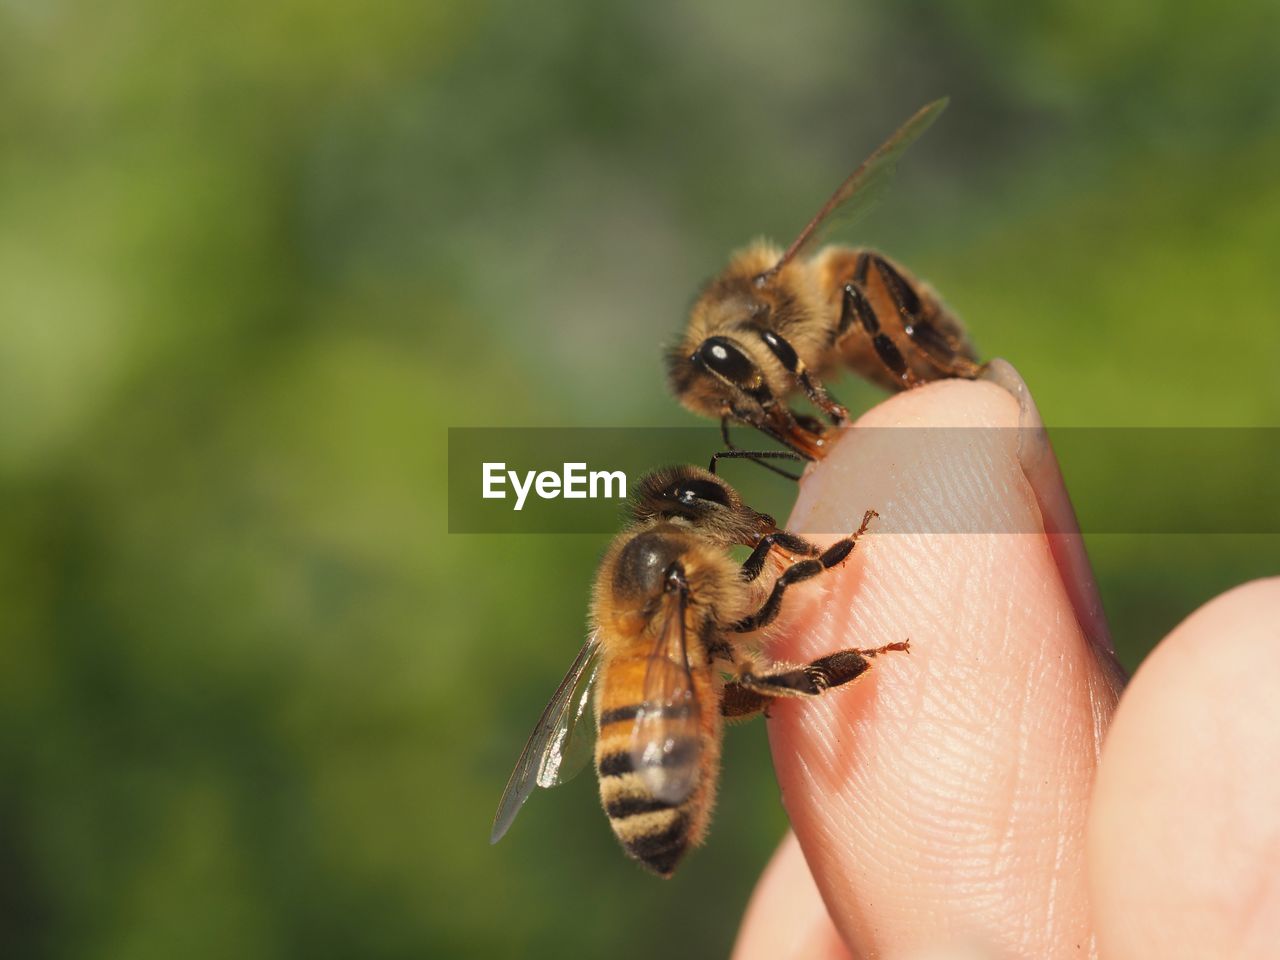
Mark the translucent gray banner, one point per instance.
(1121, 480)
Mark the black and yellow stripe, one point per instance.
(654, 831)
(651, 830)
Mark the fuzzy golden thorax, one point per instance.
(631, 594)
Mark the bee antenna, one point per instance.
(733, 452)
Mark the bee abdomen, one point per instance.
(651, 831)
(625, 807)
(658, 840)
(654, 831)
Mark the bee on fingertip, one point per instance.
(667, 661)
(775, 323)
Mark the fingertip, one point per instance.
(1184, 833)
(932, 796)
(786, 917)
(946, 405)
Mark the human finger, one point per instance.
(786, 918)
(942, 800)
(1184, 835)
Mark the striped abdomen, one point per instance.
(652, 830)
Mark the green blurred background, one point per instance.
(255, 258)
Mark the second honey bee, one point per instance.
(776, 322)
(669, 609)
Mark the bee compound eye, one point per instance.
(721, 356)
(781, 349)
(694, 492)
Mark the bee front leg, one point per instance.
(800, 571)
(751, 692)
(814, 390)
(779, 540)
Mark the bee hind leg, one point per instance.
(857, 306)
(752, 692)
(949, 355)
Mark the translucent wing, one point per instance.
(664, 740)
(867, 184)
(559, 745)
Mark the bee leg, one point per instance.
(750, 692)
(739, 702)
(857, 306)
(782, 539)
(720, 649)
(814, 390)
(800, 571)
(936, 347)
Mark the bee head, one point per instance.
(723, 375)
(722, 365)
(690, 496)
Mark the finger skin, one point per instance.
(942, 798)
(1184, 837)
(786, 919)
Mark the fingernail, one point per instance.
(1040, 467)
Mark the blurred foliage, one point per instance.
(254, 259)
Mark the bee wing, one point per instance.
(864, 187)
(559, 746)
(664, 739)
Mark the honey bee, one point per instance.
(668, 611)
(775, 322)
